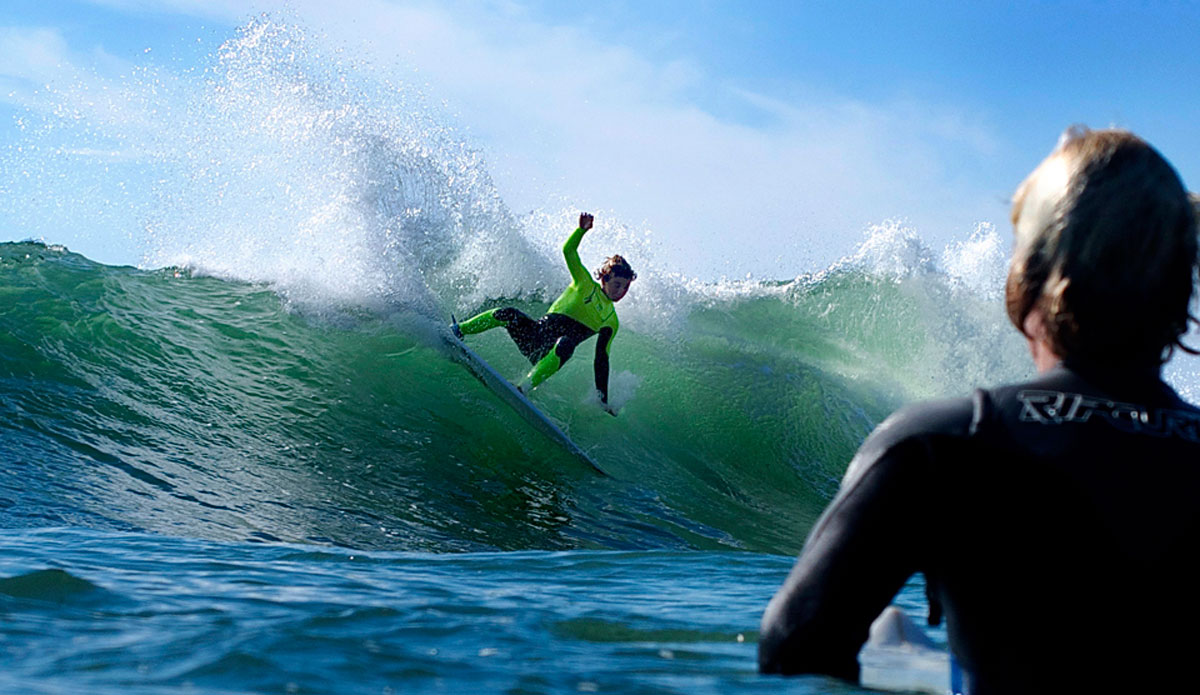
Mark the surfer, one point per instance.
(584, 309)
(1055, 520)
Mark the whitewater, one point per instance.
(249, 464)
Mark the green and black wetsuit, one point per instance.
(581, 311)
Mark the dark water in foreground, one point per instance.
(105, 612)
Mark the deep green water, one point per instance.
(163, 402)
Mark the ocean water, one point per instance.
(210, 487)
(249, 464)
(110, 612)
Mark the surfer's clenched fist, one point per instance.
(585, 220)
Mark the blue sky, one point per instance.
(748, 137)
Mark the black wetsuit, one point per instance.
(1056, 522)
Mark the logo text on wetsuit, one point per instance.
(1056, 408)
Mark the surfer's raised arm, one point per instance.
(579, 274)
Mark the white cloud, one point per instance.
(41, 72)
(30, 58)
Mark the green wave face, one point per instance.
(175, 403)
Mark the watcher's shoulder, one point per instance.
(916, 425)
(951, 416)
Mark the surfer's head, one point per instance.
(1105, 251)
(615, 276)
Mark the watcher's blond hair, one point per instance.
(1106, 249)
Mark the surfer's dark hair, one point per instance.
(1106, 249)
(615, 266)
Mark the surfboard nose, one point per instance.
(895, 629)
(899, 656)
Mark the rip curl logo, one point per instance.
(1057, 408)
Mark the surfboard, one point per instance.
(505, 391)
(898, 656)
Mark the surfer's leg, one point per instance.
(523, 330)
(544, 368)
(529, 335)
(483, 322)
(553, 361)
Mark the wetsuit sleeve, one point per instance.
(866, 544)
(601, 363)
(579, 274)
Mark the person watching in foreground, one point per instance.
(584, 309)
(1056, 520)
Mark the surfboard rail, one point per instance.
(505, 391)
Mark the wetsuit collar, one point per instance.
(1134, 381)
